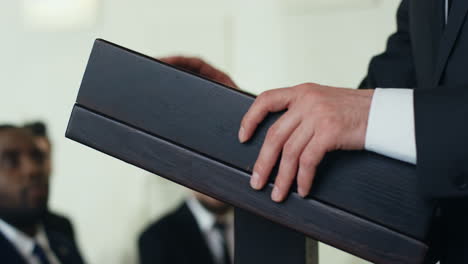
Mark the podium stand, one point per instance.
(262, 241)
(184, 128)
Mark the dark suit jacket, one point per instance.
(61, 239)
(175, 239)
(431, 57)
(60, 224)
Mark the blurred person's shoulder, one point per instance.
(170, 224)
(59, 223)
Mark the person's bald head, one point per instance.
(24, 184)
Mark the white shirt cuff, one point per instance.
(390, 129)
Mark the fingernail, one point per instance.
(255, 181)
(275, 195)
(241, 135)
(302, 192)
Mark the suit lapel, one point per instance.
(455, 21)
(8, 253)
(437, 24)
(201, 252)
(58, 246)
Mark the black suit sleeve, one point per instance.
(394, 68)
(441, 122)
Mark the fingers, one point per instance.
(171, 59)
(199, 66)
(188, 63)
(269, 101)
(292, 150)
(308, 162)
(179, 61)
(274, 141)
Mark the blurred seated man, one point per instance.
(200, 231)
(52, 220)
(25, 236)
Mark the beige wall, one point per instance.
(263, 44)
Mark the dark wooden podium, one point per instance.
(184, 128)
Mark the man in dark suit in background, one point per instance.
(52, 220)
(29, 234)
(199, 231)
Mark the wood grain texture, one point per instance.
(204, 116)
(311, 217)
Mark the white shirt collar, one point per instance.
(446, 10)
(22, 242)
(41, 238)
(204, 218)
(206, 221)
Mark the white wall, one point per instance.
(263, 44)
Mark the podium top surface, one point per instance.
(203, 116)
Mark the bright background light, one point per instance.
(50, 15)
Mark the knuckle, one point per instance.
(274, 133)
(304, 88)
(289, 147)
(301, 86)
(290, 151)
(262, 100)
(289, 155)
(264, 95)
(310, 84)
(306, 160)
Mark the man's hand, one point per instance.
(200, 67)
(318, 119)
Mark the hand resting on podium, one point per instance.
(319, 119)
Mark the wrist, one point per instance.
(366, 102)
